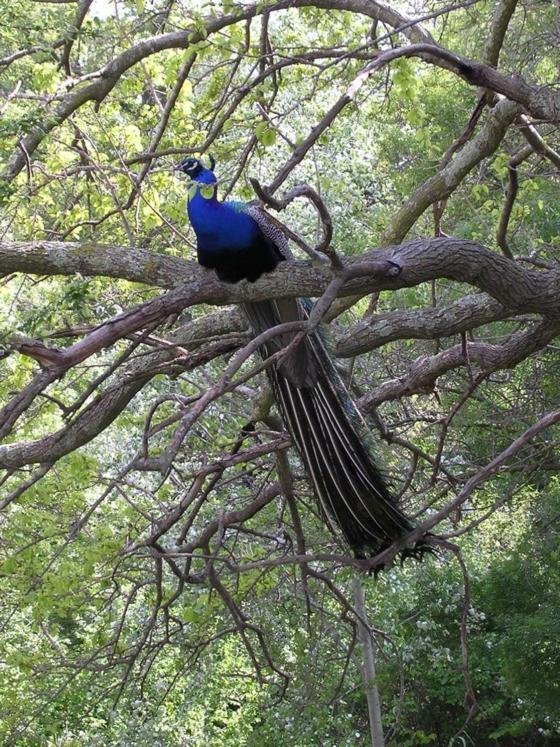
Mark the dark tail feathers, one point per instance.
(324, 425)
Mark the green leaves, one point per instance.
(76, 600)
(265, 134)
(404, 79)
(192, 189)
(6, 191)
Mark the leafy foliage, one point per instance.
(114, 633)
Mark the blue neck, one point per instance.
(206, 176)
(228, 240)
(218, 225)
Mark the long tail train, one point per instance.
(323, 422)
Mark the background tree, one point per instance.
(166, 578)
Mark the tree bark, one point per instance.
(368, 667)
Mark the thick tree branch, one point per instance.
(465, 261)
(513, 286)
(420, 324)
(439, 186)
(424, 372)
(542, 102)
(93, 259)
(108, 404)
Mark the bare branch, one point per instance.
(442, 184)
(424, 371)
(420, 324)
(515, 287)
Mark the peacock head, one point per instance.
(193, 167)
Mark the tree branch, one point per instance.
(420, 324)
(108, 76)
(424, 371)
(515, 287)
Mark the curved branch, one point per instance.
(500, 22)
(439, 186)
(537, 143)
(424, 371)
(515, 287)
(484, 474)
(511, 194)
(109, 75)
(107, 405)
(420, 324)
(542, 102)
(81, 13)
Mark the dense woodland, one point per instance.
(166, 578)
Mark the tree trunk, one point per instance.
(368, 667)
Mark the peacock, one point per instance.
(240, 242)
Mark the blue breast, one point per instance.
(219, 226)
(228, 239)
